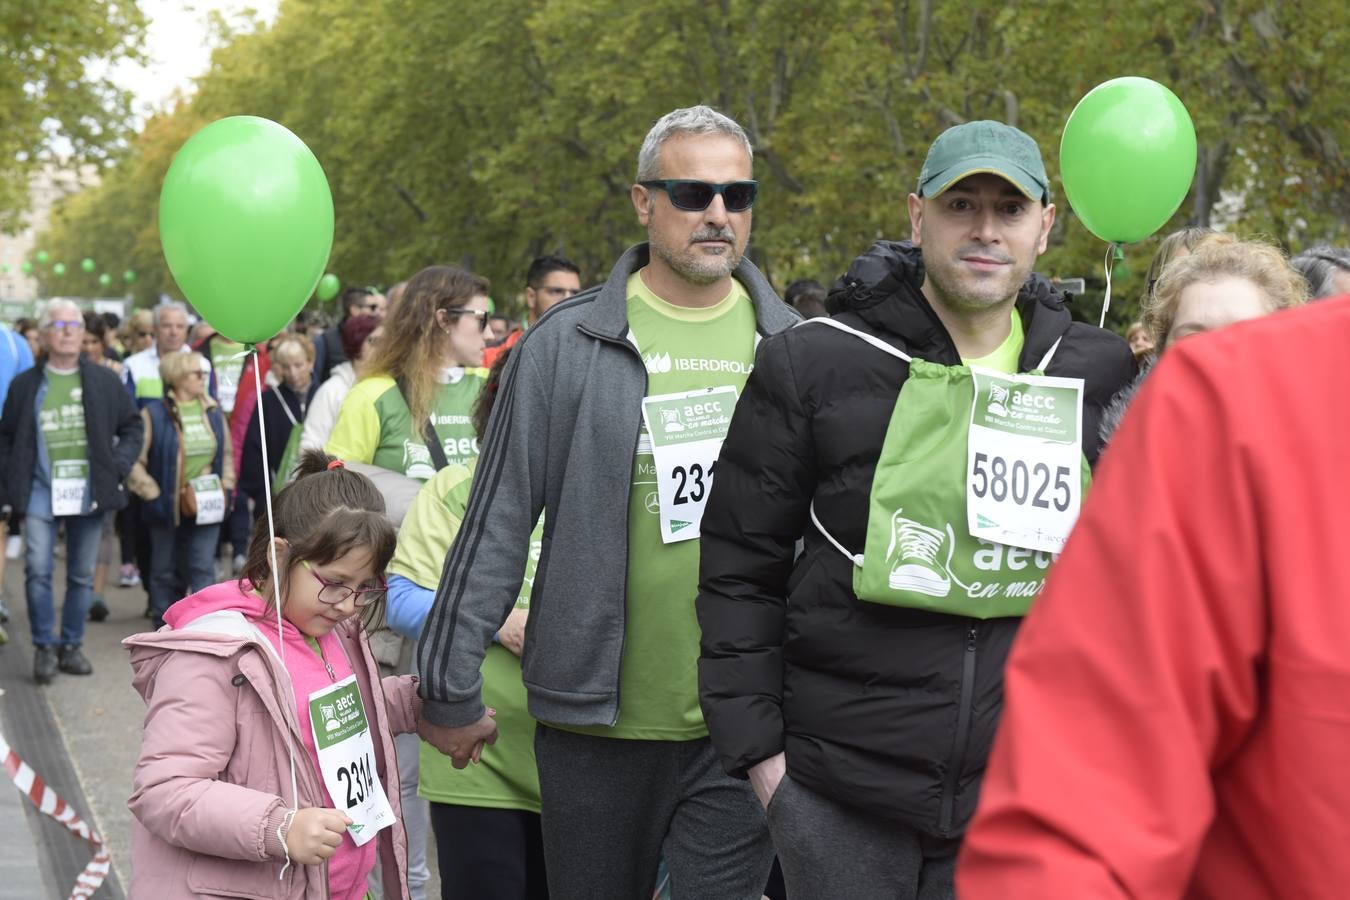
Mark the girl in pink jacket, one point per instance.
(267, 764)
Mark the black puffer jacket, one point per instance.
(867, 700)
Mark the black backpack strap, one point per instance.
(429, 435)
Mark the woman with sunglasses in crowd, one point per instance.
(185, 477)
(422, 380)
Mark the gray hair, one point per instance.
(56, 305)
(1319, 265)
(172, 304)
(690, 120)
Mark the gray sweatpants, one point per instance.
(613, 808)
(829, 850)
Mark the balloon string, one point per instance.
(272, 558)
(1112, 254)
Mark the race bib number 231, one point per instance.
(687, 431)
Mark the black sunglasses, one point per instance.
(695, 196)
(482, 315)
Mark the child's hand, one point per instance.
(315, 834)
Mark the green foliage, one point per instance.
(485, 132)
(46, 92)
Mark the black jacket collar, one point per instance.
(882, 287)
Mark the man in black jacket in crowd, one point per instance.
(864, 727)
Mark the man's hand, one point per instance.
(512, 633)
(315, 834)
(463, 744)
(766, 776)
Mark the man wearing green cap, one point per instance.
(929, 445)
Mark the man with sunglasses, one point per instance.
(549, 281)
(863, 718)
(612, 412)
(356, 301)
(142, 369)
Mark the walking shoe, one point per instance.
(4, 611)
(44, 665)
(98, 609)
(128, 577)
(73, 662)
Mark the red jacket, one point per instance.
(1177, 713)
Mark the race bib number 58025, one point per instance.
(1023, 471)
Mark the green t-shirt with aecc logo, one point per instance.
(62, 418)
(506, 778)
(684, 350)
(375, 426)
(199, 442)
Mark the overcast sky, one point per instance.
(176, 45)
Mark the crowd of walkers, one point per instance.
(684, 589)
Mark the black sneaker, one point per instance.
(44, 665)
(73, 662)
(98, 610)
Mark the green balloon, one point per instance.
(87, 264)
(246, 223)
(1127, 158)
(105, 279)
(328, 287)
(129, 276)
(492, 307)
(42, 257)
(59, 269)
(27, 267)
(5, 268)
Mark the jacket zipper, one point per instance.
(958, 758)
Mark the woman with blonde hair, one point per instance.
(184, 477)
(411, 412)
(1220, 282)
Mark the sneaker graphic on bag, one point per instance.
(913, 557)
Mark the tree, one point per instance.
(48, 49)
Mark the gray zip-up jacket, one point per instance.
(561, 441)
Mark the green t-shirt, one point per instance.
(228, 370)
(374, 425)
(684, 350)
(199, 442)
(62, 418)
(506, 777)
(1005, 356)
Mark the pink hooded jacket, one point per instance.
(213, 779)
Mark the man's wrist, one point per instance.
(454, 714)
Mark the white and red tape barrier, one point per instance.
(51, 804)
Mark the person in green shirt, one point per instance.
(426, 371)
(612, 413)
(486, 817)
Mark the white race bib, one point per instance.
(347, 758)
(687, 431)
(210, 499)
(1024, 463)
(70, 482)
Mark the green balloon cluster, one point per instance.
(1127, 157)
(87, 264)
(328, 288)
(246, 223)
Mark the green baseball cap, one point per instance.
(985, 146)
